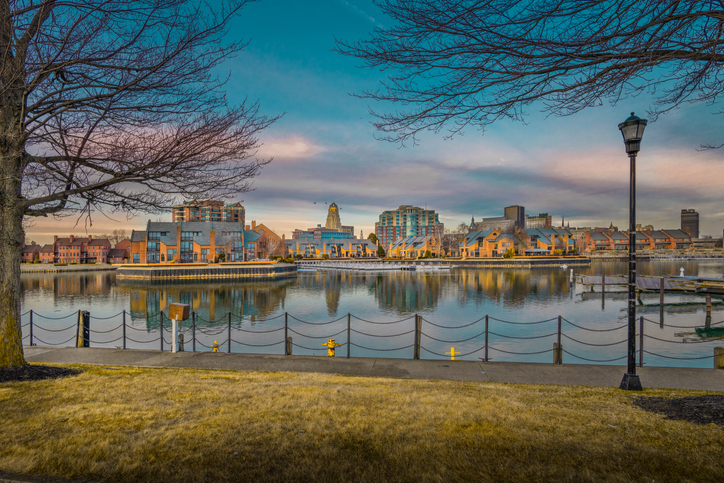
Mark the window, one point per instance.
(171, 252)
(153, 246)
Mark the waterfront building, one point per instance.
(78, 250)
(690, 222)
(336, 248)
(543, 220)
(333, 220)
(269, 243)
(29, 253)
(491, 223)
(406, 221)
(186, 242)
(534, 241)
(669, 239)
(415, 247)
(207, 211)
(577, 233)
(325, 234)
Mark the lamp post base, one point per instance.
(631, 382)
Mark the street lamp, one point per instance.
(632, 130)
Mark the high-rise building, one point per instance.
(517, 214)
(543, 220)
(690, 221)
(206, 211)
(333, 220)
(406, 221)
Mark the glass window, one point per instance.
(171, 252)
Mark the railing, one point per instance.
(287, 331)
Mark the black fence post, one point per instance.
(349, 318)
(486, 339)
(418, 330)
(78, 331)
(286, 334)
(86, 328)
(193, 331)
(160, 328)
(124, 329)
(641, 341)
(558, 356)
(228, 349)
(31, 327)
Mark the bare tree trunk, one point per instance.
(11, 245)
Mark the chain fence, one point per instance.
(237, 333)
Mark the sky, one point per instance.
(325, 151)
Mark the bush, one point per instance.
(325, 256)
(298, 256)
(558, 251)
(509, 253)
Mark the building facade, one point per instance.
(690, 222)
(333, 220)
(543, 220)
(407, 221)
(189, 242)
(269, 243)
(515, 213)
(338, 248)
(208, 211)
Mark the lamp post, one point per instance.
(632, 130)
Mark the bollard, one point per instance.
(83, 337)
(571, 277)
(289, 346)
(180, 342)
(557, 354)
(174, 334)
(718, 357)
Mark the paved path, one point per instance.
(508, 372)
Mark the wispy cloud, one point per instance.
(351, 6)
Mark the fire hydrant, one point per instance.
(215, 346)
(330, 347)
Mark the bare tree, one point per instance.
(116, 236)
(472, 62)
(113, 105)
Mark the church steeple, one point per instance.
(472, 224)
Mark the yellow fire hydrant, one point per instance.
(331, 344)
(215, 346)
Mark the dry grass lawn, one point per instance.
(133, 424)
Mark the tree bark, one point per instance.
(11, 246)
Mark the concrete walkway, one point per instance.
(506, 372)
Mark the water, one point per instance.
(522, 306)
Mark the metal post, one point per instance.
(349, 319)
(486, 338)
(124, 329)
(641, 341)
(160, 328)
(228, 350)
(559, 349)
(661, 303)
(630, 379)
(418, 324)
(77, 332)
(707, 322)
(603, 284)
(286, 337)
(31, 327)
(193, 331)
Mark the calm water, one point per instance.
(383, 306)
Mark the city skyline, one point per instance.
(325, 150)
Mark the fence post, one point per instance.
(77, 332)
(641, 340)
(228, 350)
(124, 329)
(486, 339)
(83, 336)
(557, 348)
(349, 319)
(286, 333)
(418, 330)
(160, 327)
(193, 331)
(31, 327)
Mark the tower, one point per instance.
(333, 220)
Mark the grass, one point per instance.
(136, 424)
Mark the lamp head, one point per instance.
(632, 130)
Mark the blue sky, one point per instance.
(324, 147)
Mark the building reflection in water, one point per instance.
(211, 302)
(68, 285)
